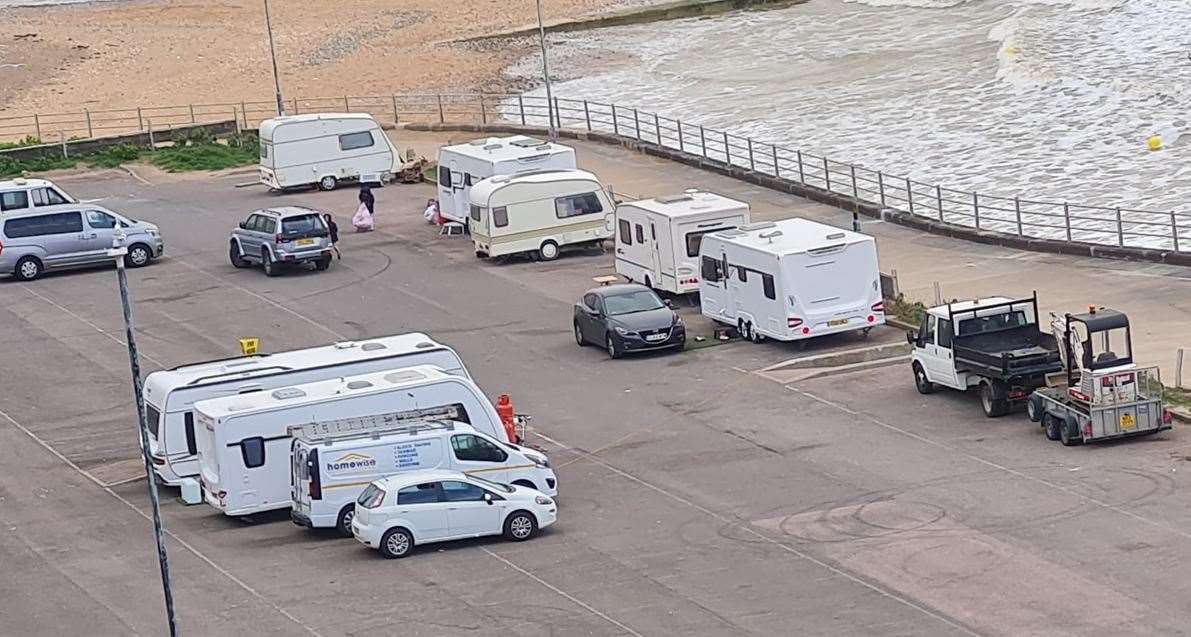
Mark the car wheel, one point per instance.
(28, 268)
(1034, 409)
(270, 266)
(328, 183)
(138, 256)
(322, 264)
(396, 543)
(1052, 426)
(346, 515)
(233, 255)
(579, 336)
(520, 526)
(992, 400)
(921, 383)
(613, 351)
(548, 251)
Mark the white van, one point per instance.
(26, 195)
(325, 149)
(244, 442)
(170, 395)
(463, 165)
(790, 280)
(538, 213)
(333, 462)
(658, 240)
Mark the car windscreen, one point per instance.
(639, 301)
(303, 226)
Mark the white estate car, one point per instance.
(421, 507)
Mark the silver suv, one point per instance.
(275, 237)
(71, 235)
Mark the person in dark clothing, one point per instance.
(333, 230)
(368, 199)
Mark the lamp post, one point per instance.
(118, 251)
(546, 75)
(273, 56)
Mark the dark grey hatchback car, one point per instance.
(627, 318)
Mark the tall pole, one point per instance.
(546, 75)
(273, 56)
(117, 252)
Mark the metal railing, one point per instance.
(1021, 215)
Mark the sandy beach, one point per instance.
(119, 54)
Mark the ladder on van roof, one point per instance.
(410, 421)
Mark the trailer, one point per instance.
(1102, 394)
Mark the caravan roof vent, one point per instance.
(835, 235)
(404, 376)
(483, 141)
(424, 345)
(288, 393)
(527, 142)
(770, 235)
(500, 179)
(345, 344)
(372, 347)
(359, 384)
(732, 232)
(675, 198)
(493, 147)
(764, 225)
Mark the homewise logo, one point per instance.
(352, 462)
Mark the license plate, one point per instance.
(1128, 422)
(656, 337)
(837, 322)
(305, 242)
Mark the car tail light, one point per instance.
(158, 460)
(315, 491)
(793, 321)
(1167, 417)
(1087, 429)
(806, 330)
(871, 318)
(879, 306)
(1, 248)
(280, 238)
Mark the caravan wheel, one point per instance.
(549, 251)
(327, 183)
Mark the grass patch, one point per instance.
(1177, 397)
(904, 310)
(190, 152)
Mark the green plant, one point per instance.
(28, 141)
(911, 312)
(115, 156)
(192, 137)
(207, 156)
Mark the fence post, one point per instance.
(1120, 230)
(295, 106)
(727, 150)
(521, 108)
(62, 140)
(139, 119)
(801, 172)
(37, 125)
(637, 124)
(855, 188)
(396, 117)
(192, 114)
(587, 115)
(976, 208)
(702, 142)
(346, 107)
(1067, 219)
(910, 194)
(1017, 211)
(90, 133)
(752, 164)
(149, 123)
(681, 146)
(244, 114)
(939, 199)
(827, 174)
(442, 117)
(881, 187)
(615, 124)
(236, 119)
(557, 114)
(483, 111)
(777, 171)
(1174, 230)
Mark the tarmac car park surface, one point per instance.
(696, 497)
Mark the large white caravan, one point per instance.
(170, 394)
(334, 461)
(538, 213)
(658, 240)
(790, 280)
(463, 165)
(325, 149)
(244, 442)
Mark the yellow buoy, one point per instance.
(1154, 143)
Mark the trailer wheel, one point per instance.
(921, 383)
(1052, 426)
(1034, 408)
(1067, 429)
(993, 400)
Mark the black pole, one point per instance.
(118, 253)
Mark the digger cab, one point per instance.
(1097, 340)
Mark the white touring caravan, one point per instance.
(463, 165)
(658, 240)
(538, 213)
(334, 461)
(790, 280)
(244, 441)
(170, 394)
(324, 149)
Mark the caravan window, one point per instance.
(466, 179)
(742, 274)
(252, 450)
(694, 241)
(152, 419)
(711, 269)
(265, 151)
(626, 233)
(767, 282)
(444, 176)
(352, 141)
(576, 205)
(640, 234)
(500, 217)
(475, 213)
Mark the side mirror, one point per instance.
(668, 303)
(488, 498)
(911, 338)
(243, 225)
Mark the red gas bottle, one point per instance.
(504, 408)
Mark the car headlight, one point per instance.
(623, 332)
(678, 321)
(543, 500)
(540, 461)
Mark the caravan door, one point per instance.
(714, 298)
